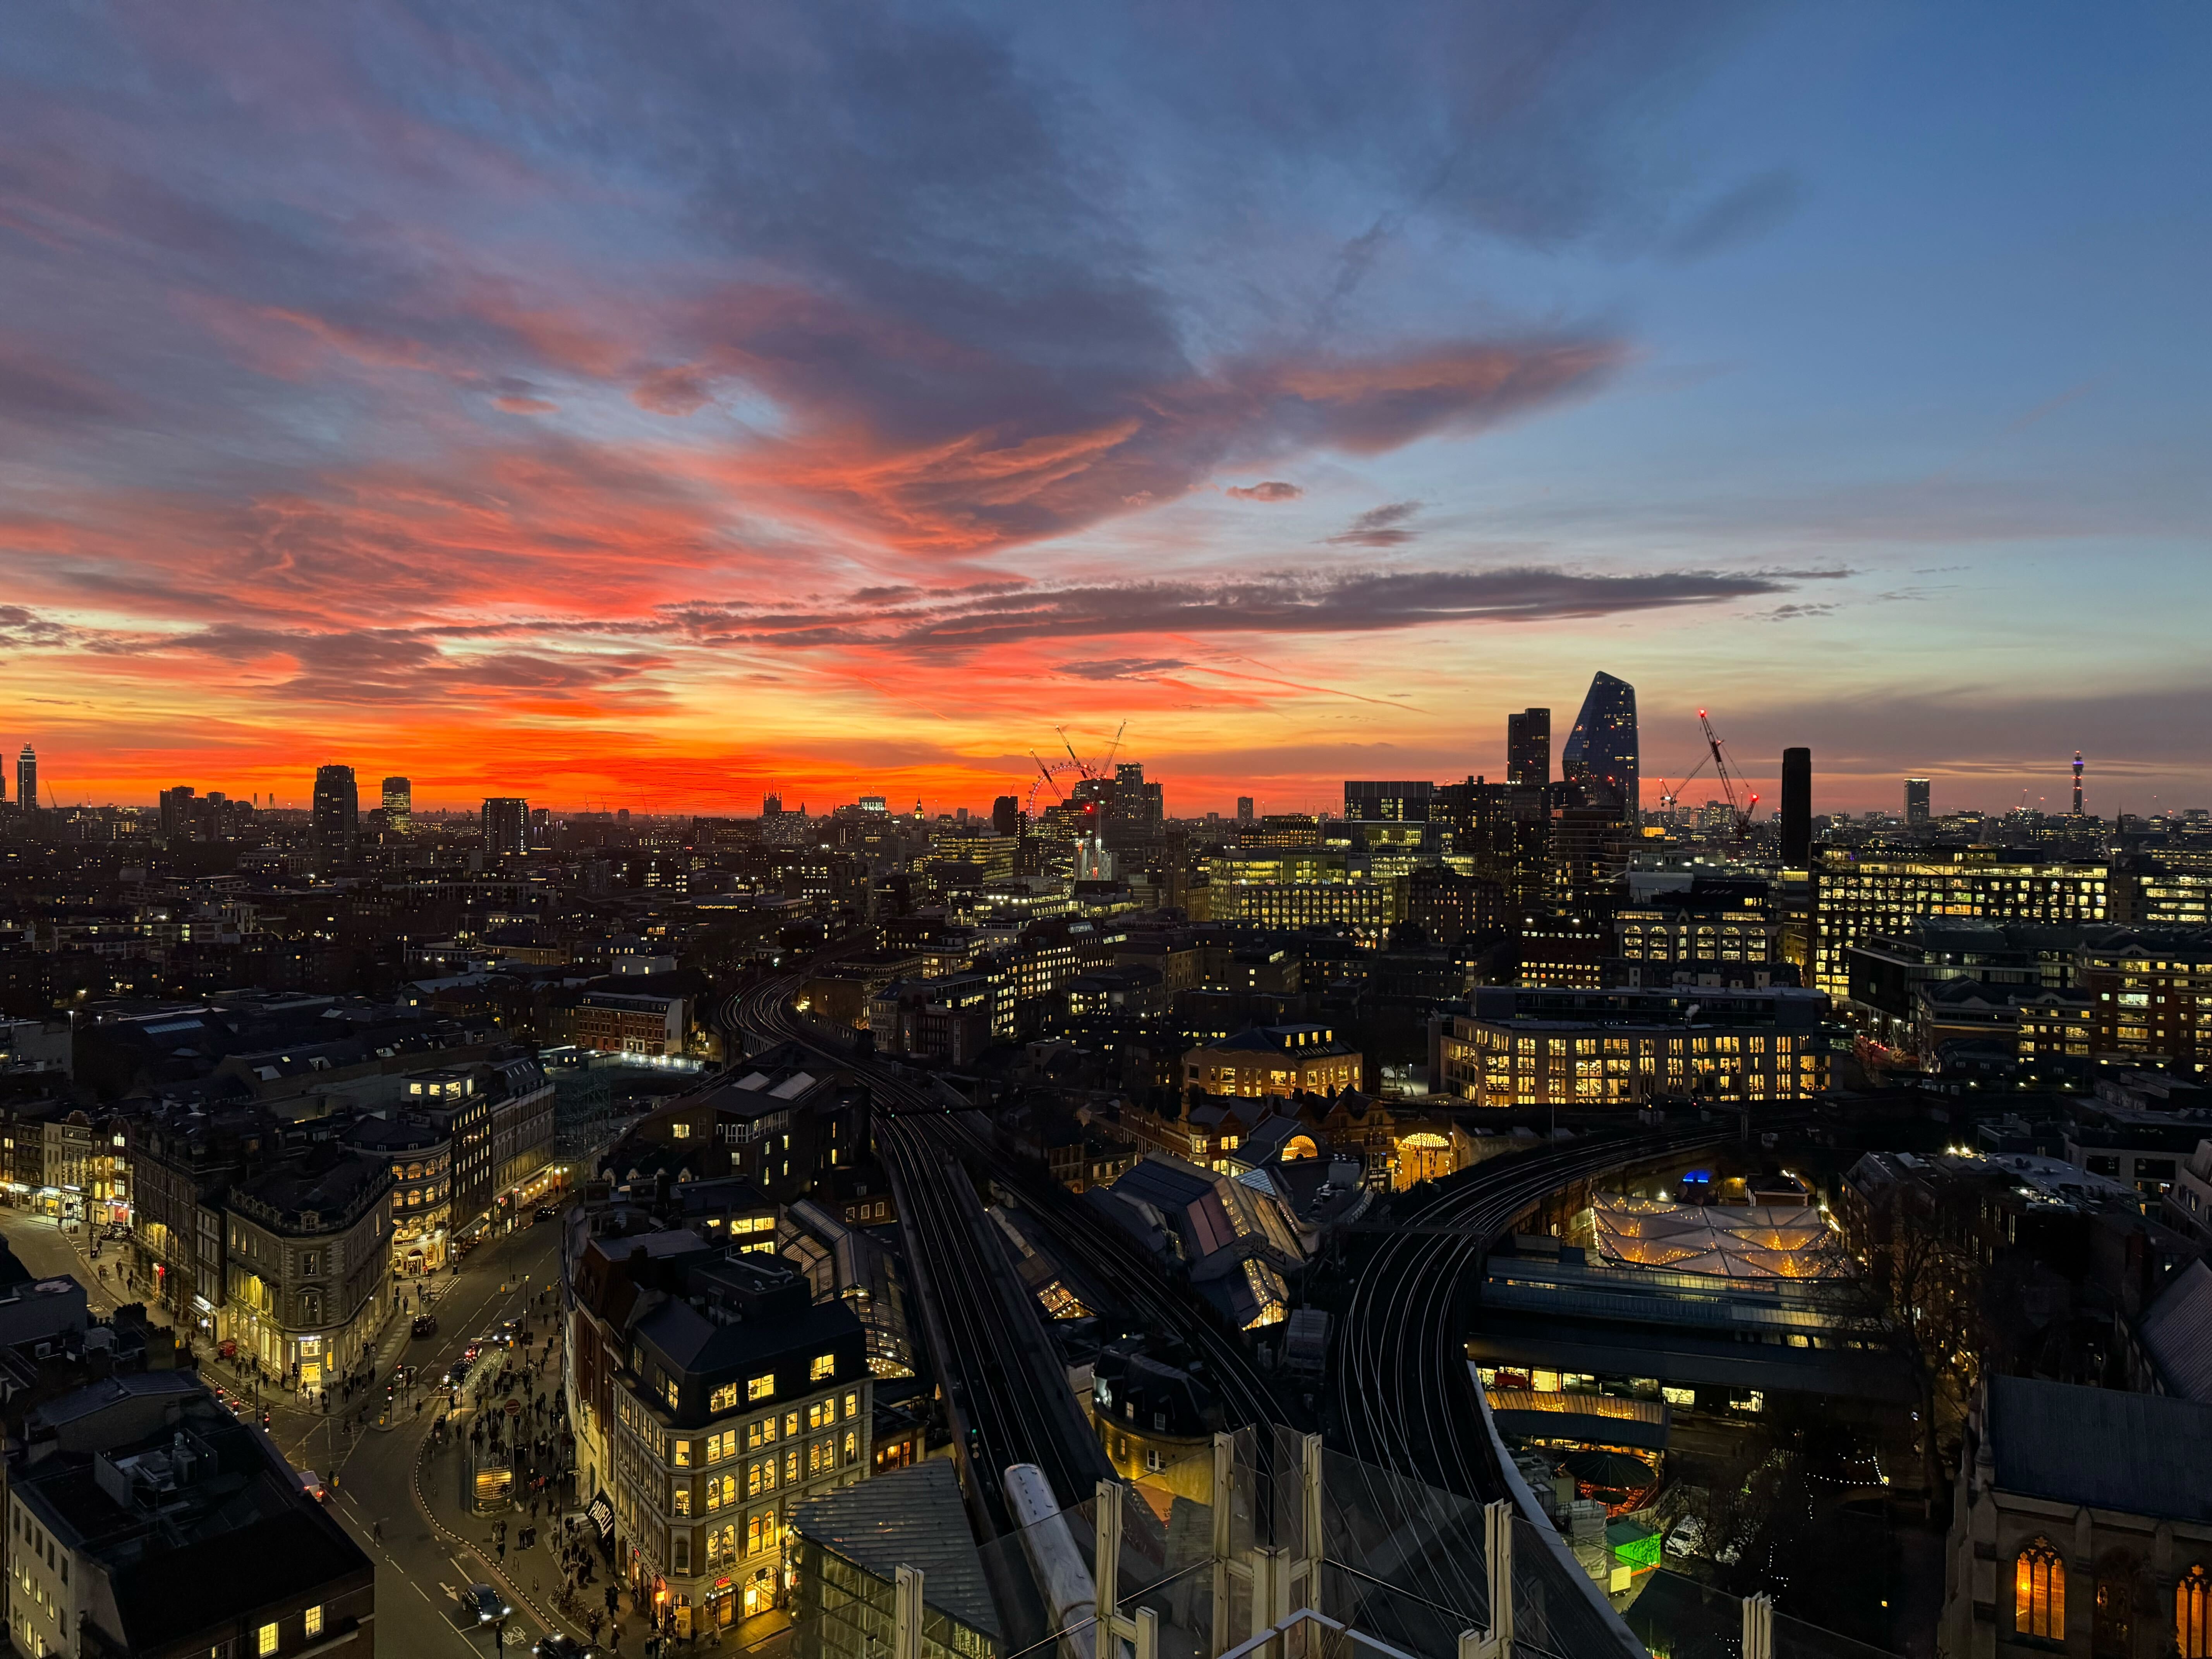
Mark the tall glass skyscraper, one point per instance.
(1600, 755)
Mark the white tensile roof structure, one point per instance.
(1727, 1240)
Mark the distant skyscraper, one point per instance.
(398, 804)
(2077, 779)
(1796, 808)
(1600, 757)
(1007, 815)
(1528, 747)
(1916, 801)
(176, 812)
(506, 826)
(27, 779)
(335, 822)
(1243, 809)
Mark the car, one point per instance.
(456, 1373)
(557, 1645)
(424, 1325)
(483, 1603)
(545, 1212)
(311, 1484)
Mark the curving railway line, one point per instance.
(1008, 1399)
(1402, 1400)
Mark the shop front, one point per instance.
(418, 1243)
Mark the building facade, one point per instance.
(2082, 1526)
(1627, 1049)
(309, 1266)
(1600, 755)
(421, 1154)
(718, 1399)
(1860, 891)
(1275, 1059)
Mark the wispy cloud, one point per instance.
(1379, 526)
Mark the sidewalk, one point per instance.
(530, 1578)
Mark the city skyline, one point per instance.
(751, 413)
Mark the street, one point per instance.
(379, 1477)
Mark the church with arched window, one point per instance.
(2083, 1525)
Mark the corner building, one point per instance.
(712, 1398)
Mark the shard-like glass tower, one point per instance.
(1599, 754)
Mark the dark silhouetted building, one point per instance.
(1135, 801)
(1006, 815)
(336, 819)
(27, 781)
(1796, 808)
(1243, 809)
(1600, 757)
(506, 826)
(1916, 801)
(1528, 748)
(1394, 803)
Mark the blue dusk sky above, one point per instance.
(664, 405)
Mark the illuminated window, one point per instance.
(312, 1620)
(2192, 1613)
(265, 1640)
(852, 1402)
(761, 1387)
(825, 1366)
(2038, 1593)
(723, 1398)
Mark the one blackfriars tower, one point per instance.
(1600, 756)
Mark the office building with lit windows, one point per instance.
(1858, 891)
(1594, 1049)
(398, 805)
(711, 1398)
(1275, 1059)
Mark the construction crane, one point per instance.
(1671, 799)
(1740, 812)
(1050, 773)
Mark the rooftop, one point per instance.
(2137, 1454)
(912, 1517)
